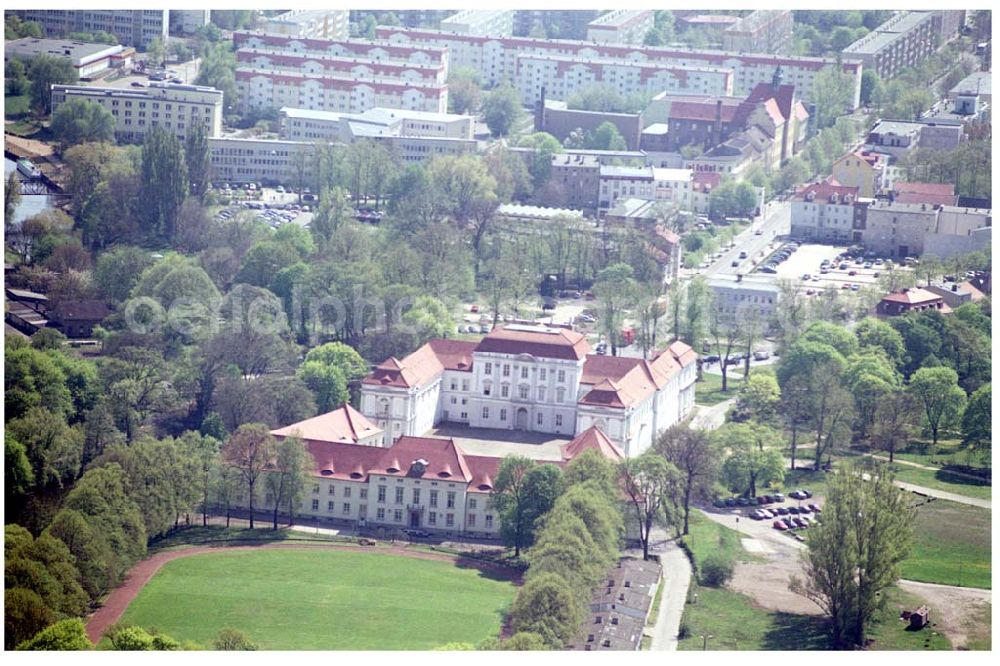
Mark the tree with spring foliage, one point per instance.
(651, 484)
(249, 451)
(287, 476)
(943, 400)
(164, 182)
(854, 554)
(198, 159)
(695, 455)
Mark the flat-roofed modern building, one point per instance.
(132, 27)
(498, 59)
(314, 23)
(412, 136)
(494, 22)
(762, 31)
(740, 296)
(87, 58)
(621, 26)
(263, 161)
(136, 111)
(902, 41)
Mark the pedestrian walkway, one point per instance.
(929, 468)
(676, 580)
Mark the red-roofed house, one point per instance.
(533, 378)
(824, 211)
(907, 300)
(864, 170)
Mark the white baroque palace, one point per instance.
(531, 378)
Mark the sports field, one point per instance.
(313, 599)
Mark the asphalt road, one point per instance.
(776, 222)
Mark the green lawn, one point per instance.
(214, 535)
(707, 536)
(16, 106)
(734, 623)
(709, 390)
(944, 480)
(952, 545)
(322, 600)
(809, 479)
(947, 453)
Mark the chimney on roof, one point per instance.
(954, 287)
(739, 277)
(776, 79)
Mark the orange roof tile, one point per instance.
(593, 438)
(541, 341)
(344, 424)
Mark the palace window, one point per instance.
(489, 369)
(522, 391)
(432, 518)
(347, 507)
(380, 514)
(329, 506)
(399, 495)
(364, 493)
(486, 412)
(315, 505)
(558, 419)
(471, 520)
(397, 515)
(503, 414)
(472, 504)
(506, 370)
(504, 390)
(451, 500)
(381, 493)
(347, 491)
(332, 489)
(416, 495)
(434, 498)
(449, 519)
(489, 521)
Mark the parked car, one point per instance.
(782, 510)
(719, 503)
(815, 508)
(743, 255)
(780, 526)
(484, 329)
(711, 358)
(843, 266)
(855, 287)
(730, 501)
(735, 264)
(800, 522)
(852, 273)
(789, 523)
(794, 510)
(778, 497)
(761, 355)
(800, 494)
(417, 534)
(742, 501)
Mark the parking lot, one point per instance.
(807, 259)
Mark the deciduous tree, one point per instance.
(854, 555)
(249, 450)
(943, 400)
(652, 485)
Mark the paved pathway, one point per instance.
(929, 468)
(710, 418)
(676, 579)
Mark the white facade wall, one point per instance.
(497, 22)
(259, 160)
(136, 111)
(358, 502)
(823, 221)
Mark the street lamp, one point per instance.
(704, 641)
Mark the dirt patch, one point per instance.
(766, 583)
(958, 611)
(119, 598)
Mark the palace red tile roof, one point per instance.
(824, 189)
(621, 382)
(540, 341)
(592, 439)
(345, 425)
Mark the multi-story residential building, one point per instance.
(560, 76)
(895, 229)
(136, 111)
(132, 27)
(482, 22)
(702, 184)
(497, 59)
(902, 41)
(531, 378)
(864, 170)
(915, 299)
(737, 154)
(739, 298)
(188, 21)
(412, 136)
(824, 212)
(556, 23)
(621, 26)
(978, 83)
(761, 31)
(556, 118)
(574, 182)
(260, 160)
(87, 59)
(349, 76)
(313, 23)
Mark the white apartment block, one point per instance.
(824, 212)
(621, 26)
(483, 22)
(902, 41)
(617, 183)
(132, 27)
(314, 23)
(136, 111)
(496, 58)
(260, 160)
(561, 76)
(347, 76)
(531, 378)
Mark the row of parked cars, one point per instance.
(728, 502)
(778, 257)
(472, 328)
(765, 514)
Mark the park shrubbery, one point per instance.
(716, 570)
